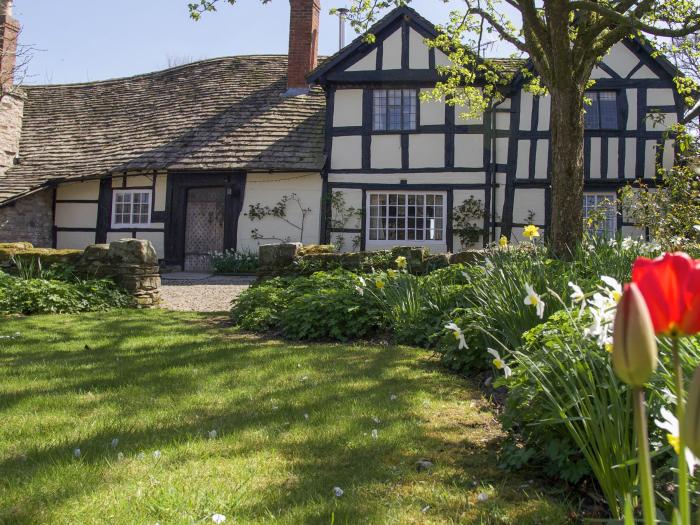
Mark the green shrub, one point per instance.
(329, 306)
(258, 308)
(35, 296)
(232, 261)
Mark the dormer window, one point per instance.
(394, 109)
(602, 113)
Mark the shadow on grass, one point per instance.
(142, 362)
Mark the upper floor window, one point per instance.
(131, 207)
(602, 113)
(394, 109)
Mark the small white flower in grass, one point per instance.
(498, 362)
(141, 456)
(306, 416)
(218, 518)
(670, 425)
(425, 509)
(376, 419)
(115, 443)
(459, 335)
(612, 243)
(213, 434)
(337, 492)
(77, 453)
(533, 299)
(392, 397)
(120, 456)
(157, 454)
(482, 497)
(375, 433)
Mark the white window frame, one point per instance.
(375, 243)
(601, 197)
(131, 191)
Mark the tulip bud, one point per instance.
(634, 355)
(692, 415)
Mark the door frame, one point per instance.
(179, 183)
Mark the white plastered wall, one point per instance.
(526, 200)
(346, 152)
(385, 151)
(469, 150)
(426, 150)
(391, 59)
(74, 240)
(432, 112)
(267, 189)
(418, 57)
(347, 107)
(621, 60)
(88, 190)
(366, 63)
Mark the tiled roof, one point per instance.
(221, 114)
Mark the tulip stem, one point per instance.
(683, 488)
(646, 483)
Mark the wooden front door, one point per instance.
(204, 227)
(202, 216)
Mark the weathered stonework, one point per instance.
(132, 263)
(11, 111)
(29, 219)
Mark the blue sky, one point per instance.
(85, 40)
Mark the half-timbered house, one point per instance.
(180, 156)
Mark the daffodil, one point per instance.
(532, 298)
(401, 262)
(459, 335)
(614, 287)
(671, 426)
(531, 231)
(379, 284)
(577, 295)
(503, 241)
(391, 273)
(499, 363)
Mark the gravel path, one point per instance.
(201, 292)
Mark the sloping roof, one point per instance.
(221, 114)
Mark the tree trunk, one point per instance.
(566, 123)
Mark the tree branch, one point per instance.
(505, 34)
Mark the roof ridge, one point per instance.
(152, 73)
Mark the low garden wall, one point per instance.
(295, 258)
(131, 263)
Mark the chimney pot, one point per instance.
(303, 43)
(6, 8)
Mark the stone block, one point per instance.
(278, 255)
(468, 257)
(133, 251)
(414, 255)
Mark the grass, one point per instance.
(161, 381)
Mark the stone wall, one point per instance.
(293, 258)
(11, 110)
(131, 263)
(29, 219)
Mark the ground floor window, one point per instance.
(131, 207)
(409, 217)
(600, 212)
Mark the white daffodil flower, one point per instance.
(670, 425)
(615, 288)
(218, 518)
(499, 363)
(577, 296)
(120, 456)
(533, 299)
(360, 290)
(459, 335)
(628, 243)
(612, 243)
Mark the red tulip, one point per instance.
(670, 285)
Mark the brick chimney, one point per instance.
(303, 43)
(9, 31)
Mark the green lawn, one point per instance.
(293, 421)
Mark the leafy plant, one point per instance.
(463, 221)
(37, 295)
(258, 212)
